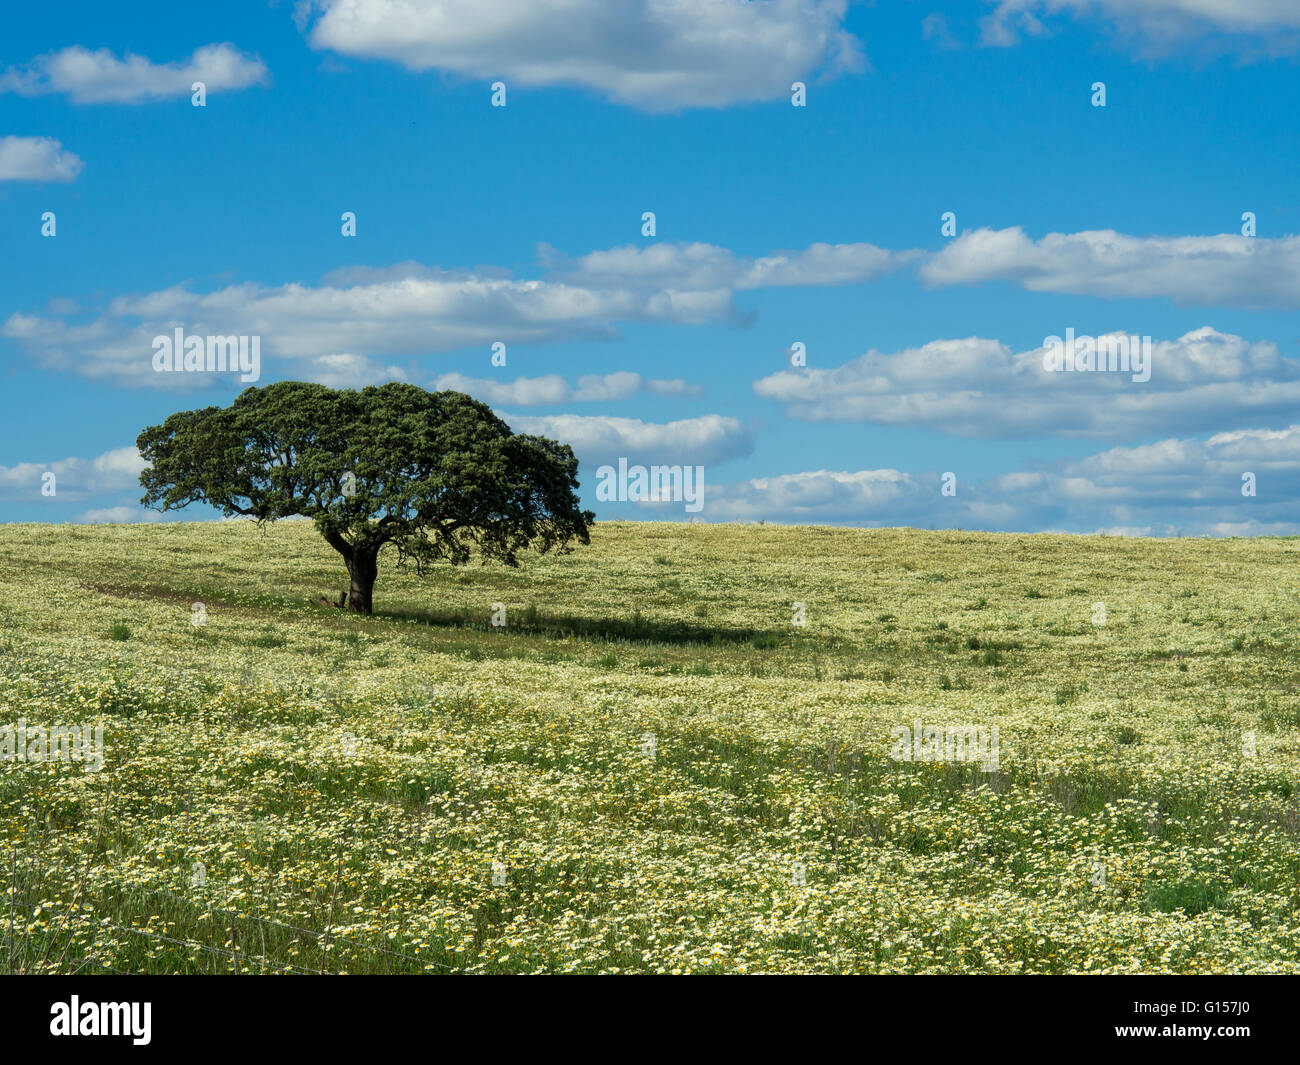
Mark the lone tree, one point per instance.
(434, 474)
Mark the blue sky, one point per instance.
(774, 224)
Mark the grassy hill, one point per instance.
(651, 766)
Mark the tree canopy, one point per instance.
(436, 475)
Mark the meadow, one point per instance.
(651, 766)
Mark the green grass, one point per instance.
(647, 747)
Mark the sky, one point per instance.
(869, 222)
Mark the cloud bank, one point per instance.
(980, 388)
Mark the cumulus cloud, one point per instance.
(297, 322)
(656, 55)
(36, 159)
(99, 77)
(348, 371)
(553, 388)
(976, 387)
(1173, 487)
(1266, 26)
(599, 439)
(74, 478)
(412, 310)
(332, 331)
(1221, 270)
(704, 267)
(820, 497)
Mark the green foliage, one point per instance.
(436, 475)
(1192, 897)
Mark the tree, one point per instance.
(434, 474)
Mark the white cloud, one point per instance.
(521, 392)
(347, 371)
(979, 388)
(296, 322)
(1267, 26)
(707, 267)
(819, 497)
(553, 388)
(412, 310)
(36, 159)
(657, 55)
(1174, 487)
(99, 77)
(1221, 270)
(598, 439)
(1176, 484)
(74, 478)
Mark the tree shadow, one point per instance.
(533, 622)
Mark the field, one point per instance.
(651, 767)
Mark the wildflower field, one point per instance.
(651, 766)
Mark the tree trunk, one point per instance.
(363, 568)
